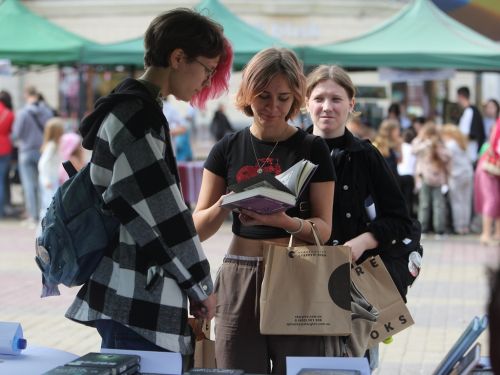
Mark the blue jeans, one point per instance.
(432, 202)
(117, 336)
(4, 169)
(28, 171)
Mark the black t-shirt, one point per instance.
(233, 159)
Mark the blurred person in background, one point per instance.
(220, 124)
(395, 112)
(418, 123)
(487, 191)
(433, 159)
(180, 132)
(27, 134)
(360, 128)
(71, 149)
(406, 169)
(192, 120)
(50, 162)
(471, 123)
(388, 141)
(491, 115)
(41, 101)
(460, 178)
(6, 121)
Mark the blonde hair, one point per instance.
(383, 141)
(333, 72)
(53, 131)
(452, 131)
(262, 68)
(430, 131)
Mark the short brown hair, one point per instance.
(333, 72)
(31, 91)
(182, 28)
(262, 68)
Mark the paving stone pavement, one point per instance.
(450, 291)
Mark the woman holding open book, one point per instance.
(363, 177)
(271, 92)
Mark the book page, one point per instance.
(295, 177)
(290, 177)
(306, 175)
(262, 180)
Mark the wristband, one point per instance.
(301, 225)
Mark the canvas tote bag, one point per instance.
(491, 163)
(306, 289)
(375, 283)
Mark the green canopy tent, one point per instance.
(246, 40)
(419, 37)
(26, 38)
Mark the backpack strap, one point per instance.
(37, 121)
(69, 168)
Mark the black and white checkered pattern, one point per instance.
(145, 280)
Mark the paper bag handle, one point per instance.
(197, 327)
(315, 233)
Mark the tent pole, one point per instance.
(89, 89)
(82, 93)
(478, 83)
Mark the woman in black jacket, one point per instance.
(369, 213)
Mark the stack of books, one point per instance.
(100, 364)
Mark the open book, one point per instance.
(266, 193)
(468, 362)
(464, 342)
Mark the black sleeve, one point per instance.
(320, 155)
(392, 222)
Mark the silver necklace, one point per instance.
(261, 167)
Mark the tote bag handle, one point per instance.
(315, 232)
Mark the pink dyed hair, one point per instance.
(220, 80)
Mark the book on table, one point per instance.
(468, 362)
(72, 370)
(267, 193)
(115, 363)
(83, 370)
(214, 371)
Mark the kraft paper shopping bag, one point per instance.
(374, 281)
(306, 290)
(204, 349)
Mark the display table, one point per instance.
(34, 360)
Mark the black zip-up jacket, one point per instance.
(363, 176)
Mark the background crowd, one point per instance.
(439, 167)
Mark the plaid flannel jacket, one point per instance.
(157, 262)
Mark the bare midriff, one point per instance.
(250, 247)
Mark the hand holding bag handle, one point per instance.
(314, 231)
